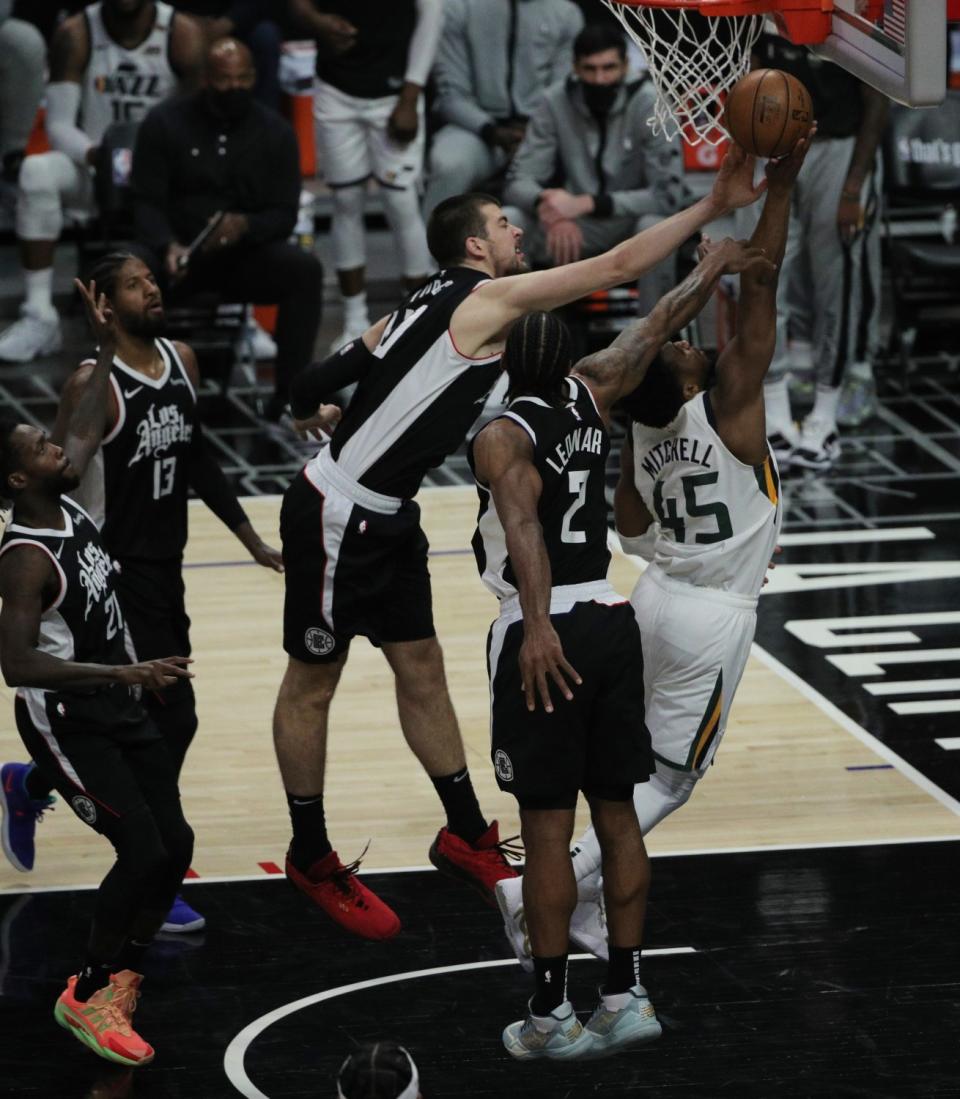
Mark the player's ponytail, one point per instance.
(537, 358)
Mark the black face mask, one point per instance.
(232, 104)
(599, 98)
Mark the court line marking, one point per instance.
(847, 723)
(689, 852)
(235, 1053)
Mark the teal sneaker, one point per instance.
(633, 1023)
(858, 401)
(559, 1036)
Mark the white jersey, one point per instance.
(642, 439)
(719, 517)
(121, 85)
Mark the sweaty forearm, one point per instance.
(647, 249)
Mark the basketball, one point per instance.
(767, 112)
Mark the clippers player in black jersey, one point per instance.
(78, 708)
(541, 548)
(355, 555)
(152, 453)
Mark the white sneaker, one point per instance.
(350, 332)
(588, 927)
(819, 445)
(558, 1036)
(30, 336)
(262, 345)
(631, 1023)
(509, 894)
(783, 440)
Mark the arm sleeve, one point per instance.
(313, 386)
(654, 163)
(150, 177)
(63, 103)
(424, 41)
(456, 101)
(208, 481)
(535, 162)
(280, 192)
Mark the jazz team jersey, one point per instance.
(719, 518)
(416, 403)
(570, 448)
(146, 459)
(82, 623)
(120, 84)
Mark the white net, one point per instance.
(693, 60)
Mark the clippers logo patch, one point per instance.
(84, 808)
(503, 765)
(318, 641)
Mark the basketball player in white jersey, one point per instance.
(700, 467)
(355, 554)
(109, 64)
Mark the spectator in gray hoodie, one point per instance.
(22, 59)
(495, 59)
(590, 172)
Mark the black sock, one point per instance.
(131, 956)
(35, 786)
(310, 841)
(551, 974)
(460, 804)
(623, 969)
(92, 977)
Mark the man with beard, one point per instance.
(590, 172)
(220, 152)
(354, 551)
(152, 453)
(78, 703)
(109, 64)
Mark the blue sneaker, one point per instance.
(622, 1021)
(182, 919)
(20, 816)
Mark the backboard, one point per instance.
(902, 54)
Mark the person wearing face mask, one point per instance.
(109, 63)
(590, 172)
(219, 152)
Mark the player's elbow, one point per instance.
(13, 670)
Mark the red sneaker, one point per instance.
(103, 1021)
(345, 899)
(481, 864)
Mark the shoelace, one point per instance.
(342, 875)
(42, 807)
(510, 848)
(119, 1008)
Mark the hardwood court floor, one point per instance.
(782, 775)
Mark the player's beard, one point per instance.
(144, 325)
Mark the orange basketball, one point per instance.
(767, 112)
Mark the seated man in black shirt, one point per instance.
(218, 151)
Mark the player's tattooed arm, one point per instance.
(503, 456)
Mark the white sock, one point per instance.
(776, 401)
(861, 371)
(355, 311)
(586, 865)
(825, 404)
(39, 299)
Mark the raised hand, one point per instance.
(100, 315)
(734, 186)
(783, 171)
(322, 423)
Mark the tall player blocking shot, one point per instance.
(355, 555)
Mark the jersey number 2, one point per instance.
(578, 486)
(671, 519)
(164, 475)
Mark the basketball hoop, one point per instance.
(696, 50)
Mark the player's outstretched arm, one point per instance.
(737, 397)
(507, 298)
(86, 399)
(27, 582)
(503, 457)
(618, 369)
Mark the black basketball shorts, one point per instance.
(350, 570)
(598, 742)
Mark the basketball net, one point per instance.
(693, 62)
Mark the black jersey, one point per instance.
(417, 403)
(146, 459)
(82, 623)
(376, 64)
(570, 448)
